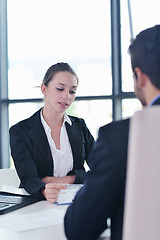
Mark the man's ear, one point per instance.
(44, 89)
(141, 77)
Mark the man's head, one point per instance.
(145, 61)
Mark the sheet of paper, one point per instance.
(67, 195)
(10, 189)
(33, 220)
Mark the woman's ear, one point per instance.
(44, 89)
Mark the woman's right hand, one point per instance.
(51, 191)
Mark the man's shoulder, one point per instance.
(115, 131)
(116, 125)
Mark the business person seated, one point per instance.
(50, 147)
(103, 193)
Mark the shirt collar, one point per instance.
(154, 99)
(67, 119)
(46, 126)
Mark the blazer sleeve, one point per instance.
(21, 151)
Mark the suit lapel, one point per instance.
(40, 139)
(75, 138)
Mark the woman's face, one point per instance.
(60, 92)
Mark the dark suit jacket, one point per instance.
(32, 155)
(103, 194)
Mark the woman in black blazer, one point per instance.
(50, 147)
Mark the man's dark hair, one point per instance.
(145, 53)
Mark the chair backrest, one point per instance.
(142, 200)
(9, 178)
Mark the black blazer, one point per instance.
(103, 194)
(32, 155)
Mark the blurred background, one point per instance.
(93, 36)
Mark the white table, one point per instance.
(50, 232)
(53, 232)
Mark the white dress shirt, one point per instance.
(63, 158)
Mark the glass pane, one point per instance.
(96, 113)
(20, 111)
(130, 106)
(144, 14)
(41, 33)
(148, 17)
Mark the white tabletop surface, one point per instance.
(12, 224)
(55, 231)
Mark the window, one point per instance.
(77, 32)
(40, 33)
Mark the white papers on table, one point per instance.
(21, 220)
(35, 220)
(19, 191)
(67, 195)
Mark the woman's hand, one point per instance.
(51, 191)
(66, 180)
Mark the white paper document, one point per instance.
(19, 191)
(67, 195)
(33, 220)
